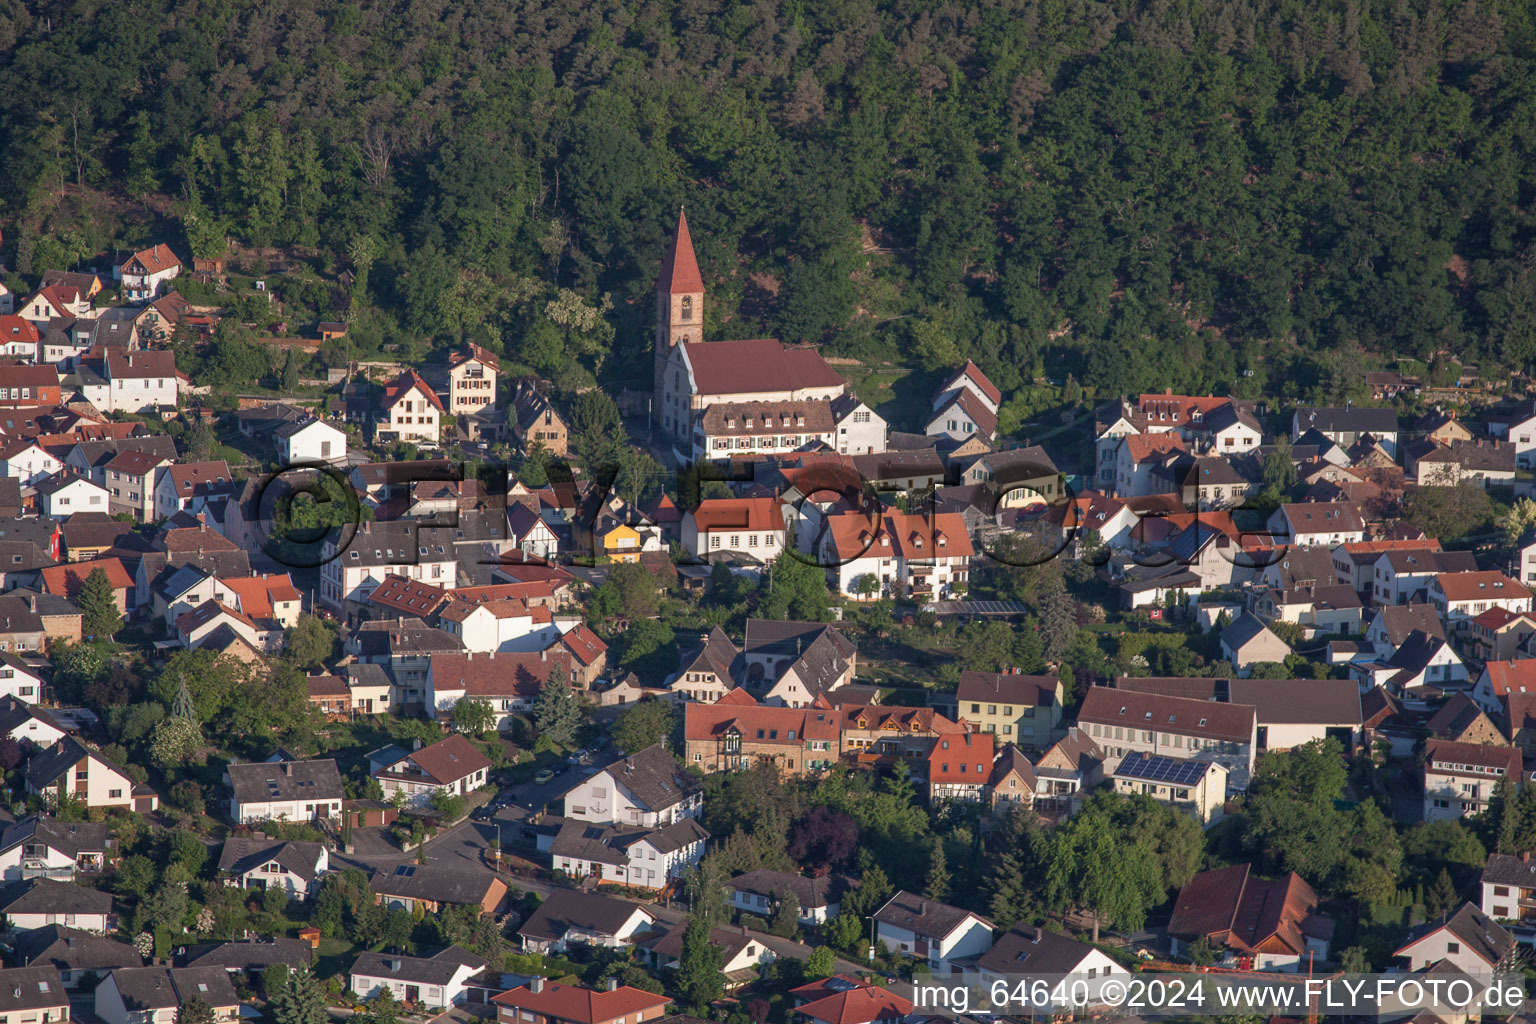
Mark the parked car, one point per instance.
(545, 775)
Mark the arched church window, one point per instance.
(687, 307)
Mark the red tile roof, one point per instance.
(1512, 676)
(14, 328)
(756, 366)
(1488, 584)
(404, 384)
(712, 721)
(66, 580)
(448, 760)
(680, 268)
(1249, 914)
(155, 259)
(583, 1005)
(1443, 757)
(1144, 446)
(258, 593)
(751, 514)
(971, 370)
(963, 758)
(585, 646)
(857, 1006)
(140, 365)
(1103, 705)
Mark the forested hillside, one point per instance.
(1144, 194)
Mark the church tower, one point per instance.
(679, 319)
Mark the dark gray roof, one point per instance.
(1247, 627)
(1401, 620)
(1025, 948)
(72, 949)
(1007, 687)
(68, 837)
(1480, 934)
(44, 895)
(242, 855)
(251, 955)
(1507, 869)
(160, 988)
(431, 882)
(811, 892)
(46, 767)
(31, 988)
(261, 782)
(1351, 419)
(1334, 702)
(566, 909)
(922, 916)
(653, 777)
(437, 969)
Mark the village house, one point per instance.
(39, 902)
(309, 440)
(548, 1002)
(1508, 886)
(1198, 787)
(452, 766)
(1460, 778)
(1462, 596)
(741, 528)
(536, 421)
(155, 995)
(959, 766)
(435, 982)
(1346, 426)
(39, 846)
(724, 737)
(1466, 938)
(69, 768)
(409, 410)
(568, 918)
(648, 788)
(297, 791)
(292, 866)
(924, 929)
(471, 381)
(1214, 906)
(433, 887)
(761, 891)
(184, 486)
(730, 430)
(1017, 708)
(141, 275)
(1122, 721)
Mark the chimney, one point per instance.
(536, 985)
(1525, 856)
(613, 983)
(287, 768)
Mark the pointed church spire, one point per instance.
(680, 270)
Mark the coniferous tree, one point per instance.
(936, 886)
(556, 712)
(1441, 897)
(99, 617)
(195, 1010)
(299, 1000)
(699, 966)
(786, 917)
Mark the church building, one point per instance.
(691, 374)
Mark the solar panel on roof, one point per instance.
(1163, 769)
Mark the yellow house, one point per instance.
(618, 542)
(1020, 709)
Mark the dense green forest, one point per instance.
(1141, 193)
